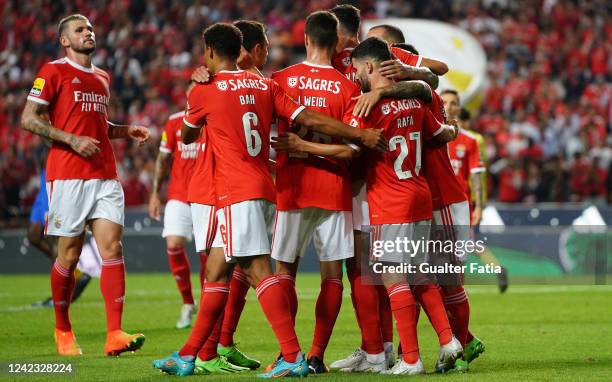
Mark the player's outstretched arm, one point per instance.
(478, 200)
(292, 143)
(138, 133)
(438, 67)
(162, 165)
(34, 119)
(405, 89)
(397, 70)
(321, 123)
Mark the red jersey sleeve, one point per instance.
(46, 85)
(168, 140)
(431, 126)
(284, 106)
(195, 112)
(475, 165)
(351, 101)
(406, 57)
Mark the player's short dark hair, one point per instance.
(349, 17)
(393, 34)
(224, 39)
(253, 33)
(62, 23)
(322, 29)
(407, 47)
(373, 48)
(450, 91)
(465, 114)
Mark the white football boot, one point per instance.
(448, 354)
(186, 317)
(404, 368)
(349, 362)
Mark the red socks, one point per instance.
(429, 297)
(458, 310)
(62, 285)
(179, 267)
(209, 350)
(403, 307)
(366, 304)
(274, 304)
(214, 298)
(326, 312)
(239, 286)
(287, 283)
(112, 285)
(386, 317)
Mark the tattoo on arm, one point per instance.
(408, 89)
(34, 119)
(424, 74)
(161, 169)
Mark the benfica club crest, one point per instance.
(460, 151)
(292, 81)
(386, 109)
(222, 85)
(346, 60)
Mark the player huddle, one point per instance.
(362, 152)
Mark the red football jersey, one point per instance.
(304, 180)
(77, 98)
(438, 170)
(465, 158)
(201, 181)
(237, 108)
(342, 61)
(183, 157)
(397, 190)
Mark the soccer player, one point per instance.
(448, 199)
(177, 213)
(313, 193)
(68, 104)
(466, 162)
(243, 186)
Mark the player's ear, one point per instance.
(64, 41)
(370, 67)
(306, 40)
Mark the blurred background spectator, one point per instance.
(546, 114)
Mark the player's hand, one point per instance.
(287, 142)
(200, 75)
(138, 133)
(393, 69)
(455, 126)
(84, 146)
(155, 207)
(365, 103)
(476, 215)
(374, 139)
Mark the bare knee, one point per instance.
(111, 249)
(175, 242)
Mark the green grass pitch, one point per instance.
(534, 332)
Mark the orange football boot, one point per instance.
(119, 341)
(66, 343)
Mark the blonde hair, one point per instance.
(67, 19)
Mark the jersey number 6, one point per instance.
(250, 121)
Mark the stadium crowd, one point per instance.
(546, 114)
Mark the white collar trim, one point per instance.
(317, 66)
(80, 67)
(231, 71)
